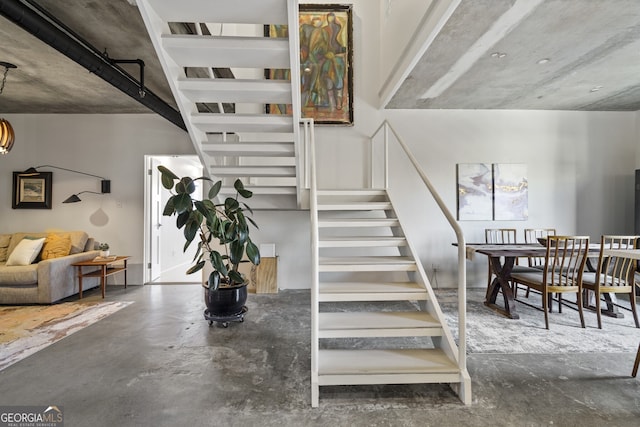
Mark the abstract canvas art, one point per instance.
(326, 79)
(510, 192)
(475, 196)
(492, 192)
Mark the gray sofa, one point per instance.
(44, 281)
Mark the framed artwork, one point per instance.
(31, 191)
(511, 192)
(475, 191)
(326, 58)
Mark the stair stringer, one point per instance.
(431, 305)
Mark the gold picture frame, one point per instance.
(32, 191)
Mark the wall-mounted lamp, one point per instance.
(105, 184)
(74, 197)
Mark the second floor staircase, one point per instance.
(216, 56)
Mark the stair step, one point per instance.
(189, 50)
(372, 263)
(241, 149)
(251, 12)
(354, 206)
(358, 222)
(361, 242)
(253, 171)
(209, 122)
(367, 291)
(236, 90)
(403, 366)
(356, 192)
(260, 190)
(378, 324)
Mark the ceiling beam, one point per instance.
(38, 22)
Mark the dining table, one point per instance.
(502, 258)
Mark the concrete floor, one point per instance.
(158, 363)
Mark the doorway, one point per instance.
(164, 258)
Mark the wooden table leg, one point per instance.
(501, 283)
(103, 279)
(79, 281)
(125, 274)
(636, 364)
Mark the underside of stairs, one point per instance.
(378, 321)
(217, 56)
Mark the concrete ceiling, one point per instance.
(487, 56)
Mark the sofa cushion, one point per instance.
(19, 275)
(56, 246)
(78, 240)
(25, 252)
(17, 238)
(5, 239)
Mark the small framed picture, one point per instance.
(31, 191)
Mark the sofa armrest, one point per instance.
(57, 277)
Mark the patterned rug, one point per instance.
(25, 330)
(490, 332)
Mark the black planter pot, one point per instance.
(226, 302)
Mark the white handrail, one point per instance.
(462, 268)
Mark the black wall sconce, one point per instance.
(105, 184)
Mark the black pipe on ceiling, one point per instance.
(47, 28)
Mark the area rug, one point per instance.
(25, 330)
(490, 332)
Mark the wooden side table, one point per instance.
(106, 268)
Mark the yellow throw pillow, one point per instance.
(56, 246)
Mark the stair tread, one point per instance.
(357, 222)
(364, 206)
(377, 320)
(366, 260)
(189, 50)
(225, 11)
(384, 362)
(236, 90)
(352, 192)
(260, 190)
(370, 287)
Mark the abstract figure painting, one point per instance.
(511, 190)
(325, 64)
(492, 192)
(475, 198)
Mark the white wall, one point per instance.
(112, 146)
(580, 173)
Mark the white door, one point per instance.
(156, 221)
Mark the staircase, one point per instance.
(215, 54)
(377, 320)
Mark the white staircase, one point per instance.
(377, 320)
(225, 112)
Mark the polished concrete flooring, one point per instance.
(158, 363)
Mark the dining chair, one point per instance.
(564, 264)
(636, 364)
(498, 236)
(614, 274)
(531, 235)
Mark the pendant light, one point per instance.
(7, 136)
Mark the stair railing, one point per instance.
(309, 138)
(462, 268)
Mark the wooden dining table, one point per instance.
(502, 258)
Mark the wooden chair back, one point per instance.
(531, 235)
(564, 261)
(614, 271)
(500, 235)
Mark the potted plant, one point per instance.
(104, 249)
(222, 234)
